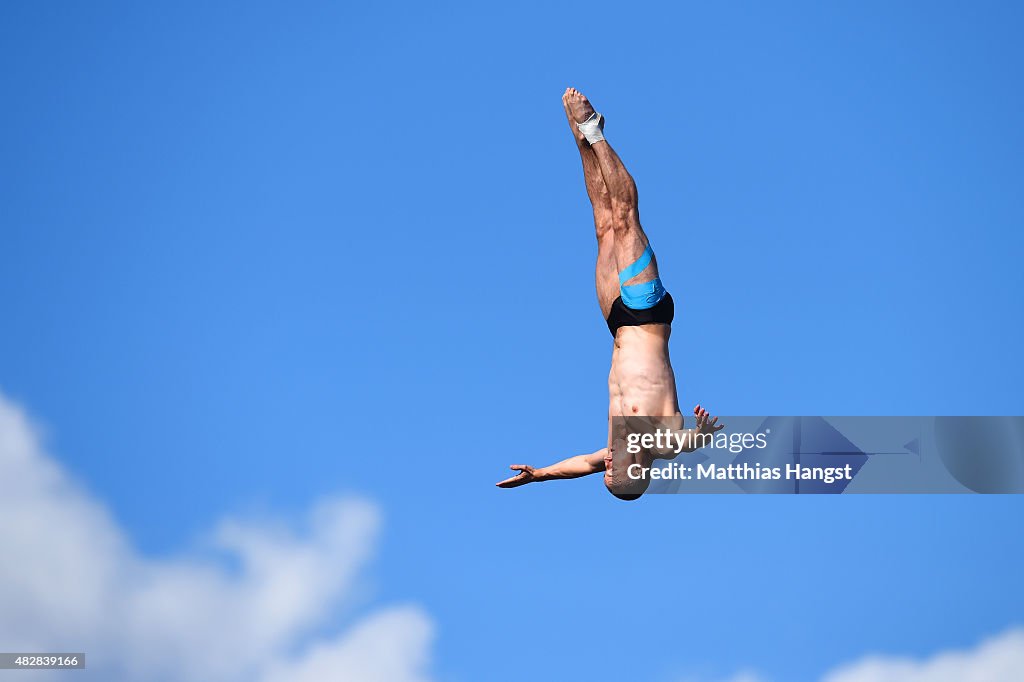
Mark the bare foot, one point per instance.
(580, 108)
(581, 139)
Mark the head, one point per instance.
(620, 484)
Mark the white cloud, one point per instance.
(70, 580)
(999, 659)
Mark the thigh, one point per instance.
(607, 275)
(630, 242)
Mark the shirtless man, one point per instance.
(639, 314)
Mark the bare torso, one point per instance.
(641, 381)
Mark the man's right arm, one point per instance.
(574, 467)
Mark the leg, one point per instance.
(600, 199)
(629, 238)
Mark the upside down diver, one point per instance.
(639, 314)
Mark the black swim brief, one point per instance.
(621, 316)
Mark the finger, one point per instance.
(714, 421)
(511, 482)
(518, 467)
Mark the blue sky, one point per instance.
(257, 254)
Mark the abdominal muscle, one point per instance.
(641, 381)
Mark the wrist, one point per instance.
(542, 474)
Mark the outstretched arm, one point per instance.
(574, 467)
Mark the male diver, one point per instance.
(639, 314)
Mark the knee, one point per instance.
(604, 222)
(624, 215)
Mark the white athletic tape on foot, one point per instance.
(592, 128)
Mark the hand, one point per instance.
(527, 474)
(705, 424)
